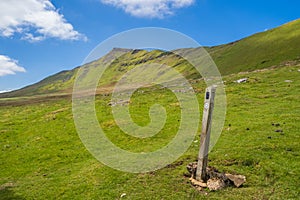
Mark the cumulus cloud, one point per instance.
(9, 66)
(149, 8)
(35, 20)
(3, 91)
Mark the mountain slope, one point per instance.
(259, 51)
(42, 156)
(262, 50)
(60, 82)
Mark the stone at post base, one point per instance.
(198, 183)
(216, 180)
(238, 180)
(214, 184)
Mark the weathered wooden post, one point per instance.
(205, 134)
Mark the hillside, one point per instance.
(262, 50)
(259, 51)
(43, 157)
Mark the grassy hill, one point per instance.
(62, 82)
(259, 51)
(262, 50)
(42, 156)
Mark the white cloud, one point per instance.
(149, 8)
(9, 66)
(3, 91)
(36, 20)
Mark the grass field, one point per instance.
(42, 156)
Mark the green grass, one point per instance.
(265, 49)
(139, 107)
(42, 156)
(270, 48)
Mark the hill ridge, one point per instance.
(258, 51)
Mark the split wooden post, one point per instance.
(205, 134)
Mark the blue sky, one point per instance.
(42, 37)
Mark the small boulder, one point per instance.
(215, 184)
(237, 180)
(198, 183)
(243, 80)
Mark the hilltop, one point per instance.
(262, 50)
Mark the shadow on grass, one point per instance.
(6, 193)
